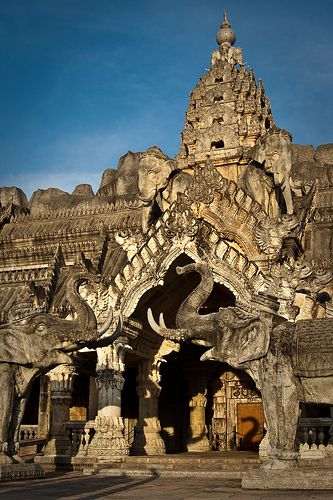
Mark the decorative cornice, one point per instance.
(86, 209)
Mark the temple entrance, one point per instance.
(207, 406)
(192, 405)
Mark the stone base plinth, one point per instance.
(79, 463)
(54, 462)
(200, 445)
(148, 443)
(84, 463)
(21, 471)
(293, 479)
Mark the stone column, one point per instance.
(44, 407)
(197, 432)
(61, 387)
(109, 443)
(219, 421)
(148, 439)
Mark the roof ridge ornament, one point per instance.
(225, 35)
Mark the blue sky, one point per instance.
(84, 81)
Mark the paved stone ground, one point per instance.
(72, 486)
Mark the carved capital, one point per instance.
(61, 381)
(109, 379)
(198, 400)
(111, 357)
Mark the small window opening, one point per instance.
(218, 98)
(217, 144)
(267, 124)
(219, 80)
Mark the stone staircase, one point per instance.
(229, 465)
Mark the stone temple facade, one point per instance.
(245, 210)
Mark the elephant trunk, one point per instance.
(86, 318)
(188, 312)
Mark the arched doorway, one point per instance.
(201, 405)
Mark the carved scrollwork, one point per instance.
(239, 391)
(181, 221)
(206, 181)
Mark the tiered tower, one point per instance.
(227, 111)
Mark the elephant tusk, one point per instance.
(107, 323)
(108, 340)
(152, 323)
(118, 330)
(162, 322)
(207, 356)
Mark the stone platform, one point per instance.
(293, 479)
(214, 465)
(21, 471)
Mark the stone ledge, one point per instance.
(295, 479)
(21, 471)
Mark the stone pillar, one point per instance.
(219, 421)
(44, 407)
(109, 443)
(148, 439)
(61, 386)
(197, 432)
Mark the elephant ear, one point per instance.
(254, 342)
(14, 348)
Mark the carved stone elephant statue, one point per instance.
(159, 181)
(289, 362)
(35, 344)
(305, 173)
(267, 179)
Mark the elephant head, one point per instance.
(36, 339)
(273, 151)
(236, 335)
(155, 168)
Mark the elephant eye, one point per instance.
(41, 327)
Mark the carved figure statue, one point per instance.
(159, 180)
(269, 171)
(305, 173)
(35, 344)
(285, 359)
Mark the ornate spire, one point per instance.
(225, 35)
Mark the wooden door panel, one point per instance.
(250, 425)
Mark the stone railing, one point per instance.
(28, 432)
(30, 442)
(80, 433)
(315, 438)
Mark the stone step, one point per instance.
(210, 465)
(229, 473)
(179, 466)
(192, 461)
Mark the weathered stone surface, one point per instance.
(83, 190)
(108, 183)
(13, 195)
(123, 182)
(295, 479)
(324, 154)
(21, 471)
(300, 152)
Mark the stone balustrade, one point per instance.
(28, 432)
(30, 440)
(80, 433)
(315, 438)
